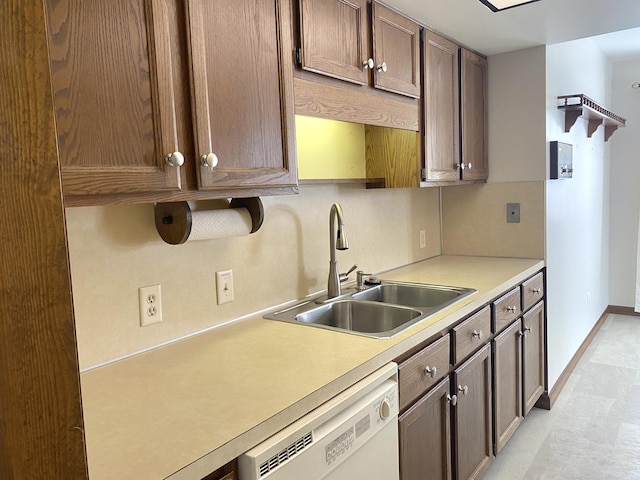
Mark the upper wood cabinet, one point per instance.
(242, 92)
(455, 112)
(473, 116)
(441, 100)
(112, 76)
(339, 39)
(135, 81)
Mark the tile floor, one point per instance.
(593, 430)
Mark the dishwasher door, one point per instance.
(352, 436)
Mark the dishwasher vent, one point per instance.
(285, 454)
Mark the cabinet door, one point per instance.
(334, 38)
(396, 52)
(441, 108)
(507, 384)
(242, 95)
(425, 437)
(472, 416)
(473, 114)
(534, 356)
(112, 80)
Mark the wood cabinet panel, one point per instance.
(425, 437)
(471, 334)
(507, 384)
(396, 52)
(441, 108)
(473, 115)
(532, 291)
(246, 128)
(473, 416)
(112, 80)
(334, 38)
(534, 355)
(413, 377)
(506, 309)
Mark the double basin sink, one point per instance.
(379, 311)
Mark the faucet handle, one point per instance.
(345, 276)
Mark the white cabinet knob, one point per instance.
(382, 67)
(431, 371)
(368, 64)
(209, 160)
(175, 159)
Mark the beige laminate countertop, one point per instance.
(182, 410)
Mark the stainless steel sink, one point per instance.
(380, 311)
(414, 294)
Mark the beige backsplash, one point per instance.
(474, 220)
(115, 250)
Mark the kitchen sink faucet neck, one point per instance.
(337, 241)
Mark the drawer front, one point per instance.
(423, 370)
(471, 334)
(532, 291)
(506, 309)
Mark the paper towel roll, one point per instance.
(229, 222)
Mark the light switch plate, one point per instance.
(224, 286)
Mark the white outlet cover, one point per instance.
(150, 305)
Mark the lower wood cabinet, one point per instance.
(533, 354)
(472, 419)
(425, 436)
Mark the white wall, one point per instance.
(625, 186)
(577, 243)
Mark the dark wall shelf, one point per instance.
(579, 105)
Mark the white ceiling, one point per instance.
(540, 23)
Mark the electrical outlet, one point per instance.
(224, 286)
(423, 239)
(150, 304)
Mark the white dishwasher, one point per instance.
(353, 436)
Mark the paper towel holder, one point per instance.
(173, 219)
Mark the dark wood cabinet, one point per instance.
(396, 52)
(455, 112)
(507, 384)
(533, 329)
(144, 88)
(112, 75)
(242, 92)
(472, 417)
(425, 436)
(473, 116)
(441, 100)
(342, 40)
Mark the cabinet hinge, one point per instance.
(298, 56)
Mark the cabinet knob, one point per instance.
(511, 309)
(452, 399)
(469, 165)
(536, 291)
(209, 160)
(462, 166)
(382, 67)
(431, 371)
(368, 64)
(464, 390)
(527, 329)
(175, 159)
(477, 334)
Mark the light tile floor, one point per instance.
(593, 430)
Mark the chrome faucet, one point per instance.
(337, 240)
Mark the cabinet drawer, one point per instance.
(471, 334)
(506, 309)
(415, 379)
(532, 291)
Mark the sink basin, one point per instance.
(380, 311)
(414, 294)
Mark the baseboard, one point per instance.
(548, 399)
(617, 310)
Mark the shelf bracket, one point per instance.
(579, 105)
